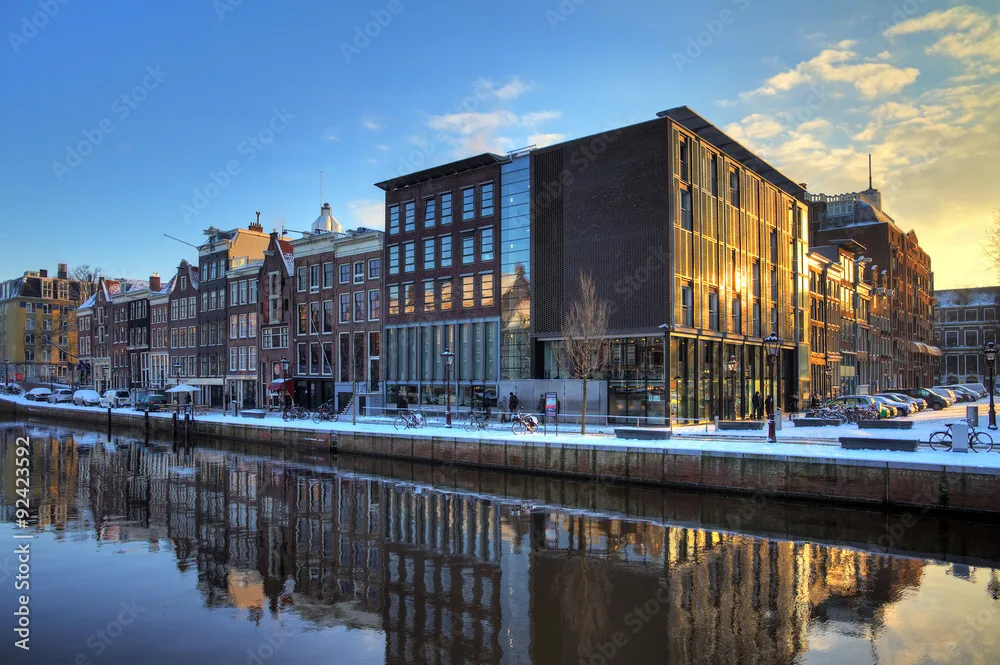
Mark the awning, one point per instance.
(279, 385)
(934, 351)
(918, 347)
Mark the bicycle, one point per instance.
(409, 420)
(294, 413)
(524, 423)
(326, 412)
(477, 420)
(977, 440)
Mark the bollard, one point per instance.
(146, 418)
(109, 418)
(960, 438)
(187, 421)
(173, 417)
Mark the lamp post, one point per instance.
(828, 373)
(732, 365)
(284, 377)
(448, 357)
(107, 370)
(991, 356)
(771, 344)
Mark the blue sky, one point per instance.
(124, 122)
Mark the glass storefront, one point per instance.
(515, 268)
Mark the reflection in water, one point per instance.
(403, 573)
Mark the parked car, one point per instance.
(977, 388)
(918, 403)
(933, 399)
(151, 402)
(972, 395)
(38, 395)
(60, 395)
(903, 407)
(958, 395)
(115, 399)
(949, 396)
(86, 397)
(892, 408)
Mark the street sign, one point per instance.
(19, 377)
(550, 405)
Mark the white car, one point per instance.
(115, 399)
(38, 395)
(61, 395)
(86, 397)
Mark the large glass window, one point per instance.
(409, 302)
(468, 291)
(468, 203)
(393, 220)
(486, 289)
(486, 200)
(429, 295)
(393, 259)
(486, 245)
(468, 248)
(345, 307)
(687, 215)
(446, 294)
(393, 293)
(410, 216)
(429, 258)
(374, 305)
(409, 256)
(445, 251)
(430, 212)
(446, 208)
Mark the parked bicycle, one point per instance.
(295, 413)
(524, 423)
(10, 390)
(980, 442)
(327, 411)
(477, 420)
(409, 420)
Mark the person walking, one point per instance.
(769, 406)
(512, 403)
(758, 405)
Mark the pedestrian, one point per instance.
(793, 406)
(758, 405)
(815, 401)
(769, 406)
(512, 403)
(401, 402)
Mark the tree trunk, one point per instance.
(583, 428)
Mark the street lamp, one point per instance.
(991, 356)
(771, 344)
(828, 373)
(448, 357)
(732, 365)
(284, 375)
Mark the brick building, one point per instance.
(441, 273)
(159, 332)
(277, 278)
(904, 271)
(966, 322)
(183, 325)
(242, 385)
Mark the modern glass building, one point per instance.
(515, 268)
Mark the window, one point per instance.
(252, 324)
(243, 358)
(951, 315)
(713, 309)
(737, 309)
(409, 256)
(468, 248)
(328, 275)
(989, 314)
(468, 291)
(393, 293)
(951, 338)
(393, 220)
(972, 364)
(468, 203)
(410, 216)
(756, 320)
(374, 268)
(971, 338)
(393, 259)
(314, 278)
(687, 305)
(429, 299)
(446, 294)
(300, 276)
(755, 278)
(774, 320)
(327, 316)
(204, 302)
(409, 301)
(213, 300)
(685, 159)
(374, 305)
(251, 358)
(486, 289)
(314, 322)
(430, 212)
(345, 273)
(234, 326)
(184, 283)
(687, 215)
(734, 187)
(445, 251)
(715, 174)
(345, 307)
(486, 245)
(192, 367)
(486, 200)
(183, 314)
(446, 208)
(429, 253)
(302, 319)
(302, 351)
(971, 315)
(234, 294)
(989, 336)
(243, 292)
(359, 272)
(359, 306)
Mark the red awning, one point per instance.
(279, 385)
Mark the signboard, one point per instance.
(550, 405)
(19, 377)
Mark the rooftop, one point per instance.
(452, 168)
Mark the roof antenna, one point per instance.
(869, 170)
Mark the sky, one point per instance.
(125, 121)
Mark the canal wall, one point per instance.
(900, 484)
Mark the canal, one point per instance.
(149, 552)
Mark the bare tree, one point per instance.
(584, 346)
(88, 276)
(991, 245)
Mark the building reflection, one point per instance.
(448, 577)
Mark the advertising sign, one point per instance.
(550, 405)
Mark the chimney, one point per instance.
(803, 185)
(256, 226)
(63, 271)
(43, 273)
(154, 282)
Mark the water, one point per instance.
(150, 553)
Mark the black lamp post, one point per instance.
(732, 365)
(991, 356)
(107, 370)
(828, 373)
(448, 357)
(284, 375)
(771, 344)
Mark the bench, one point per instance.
(642, 434)
(859, 443)
(816, 422)
(735, 425)
(253, 413)
(885, 424)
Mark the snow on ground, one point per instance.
(811, 442)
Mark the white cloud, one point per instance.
(819, 124)
(330, 135)
(956, 18)
(870, 79)
(507, 92)
(369, 213)
(383, 147)
(966, 34)
(536, 117)
(372, 160)
(370, 123)
(542, 140)
(472, 122)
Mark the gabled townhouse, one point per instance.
(159, 332)
(275, 295)
(337, 323)
(183, 325)
(242, 385)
